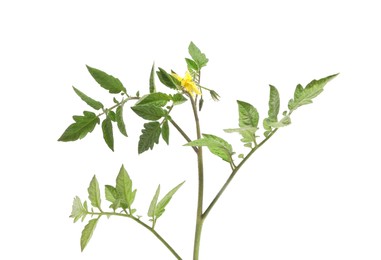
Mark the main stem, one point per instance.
(199, 218)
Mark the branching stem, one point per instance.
(153, 231)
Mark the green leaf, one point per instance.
(111, 115)
(304, 96)
(216, 145)
(248, 115)
(150, 135)
(166, 79)
(112, 196)
(285, 121)
(160, 208)
(165, 131)
(157, 99)
(274, 104)
(178, 99)
(108, 133)
(120, 121)
(152, 86)
(248, 133)
(83, 125)
(124, 188)
(88, 232)
(94, 193)
(78, 210)
(192, 65)
(149, 112)
(152, 206)
(106, 81)
(88, 100)
(199, 57)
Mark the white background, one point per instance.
(312, 192)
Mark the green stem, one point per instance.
(144, 225)
(182, 132)
(119, 104)
(200, 197)
(234, 172)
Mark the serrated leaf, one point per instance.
(83, 125)
(157, 99)
(304, 96)
(248, 133)
(94, 193)
(78, 210)
(88, 100)
(274, 104)
(198, 57)
(106, 81)
(178, 99)
(160, 207)
(248, 115)
(166, 79)
(120, 121)
(108, 135)
(150, 135)
(192, 65)
(149, 112)
(124, 188)
(165, 131)
(152, 206)
(152, 86)
(88, 232)
(216, 145)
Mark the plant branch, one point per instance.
(119, 104)
(182, 133)
(143, 224)
(234, 172)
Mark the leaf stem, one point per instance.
(116, 105)
(234, 172)
(181, 131)
(141, 223)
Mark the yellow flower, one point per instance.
(187, 83)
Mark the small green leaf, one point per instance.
(166, 79)
(94, 193)
(152, 206)
(178, 99)
(274, 104)
(304, 96)
(120, 121)
(192, 65)
(149, 112)
(111, 115)
(165, 131)
(124, 188)
(160, 208)
(78, 210)
(112, 196)
(157, 99)
(88, 100)
(88, 232)
(248, 115)
(150, 135)
(106, 81)
(285, 121)
(216, 145)
(198, 57)
(152, 86)
(108, 133)
(83, 125)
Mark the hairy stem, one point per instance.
(200, 196)
(143, 224)
(234, 172)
